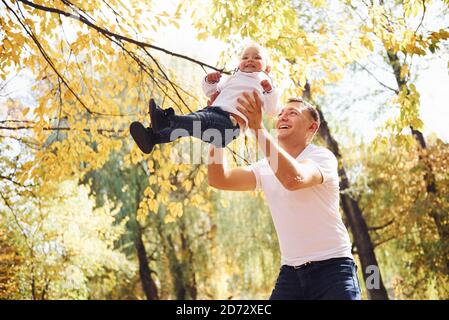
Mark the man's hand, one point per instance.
(212, 98)
(213, 77)
(266, 85)
(251, 107)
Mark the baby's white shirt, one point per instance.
(232, 87)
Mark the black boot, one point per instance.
(144, 137)
(160, 119)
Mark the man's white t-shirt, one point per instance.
(307, 221)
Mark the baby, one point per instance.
(221, 122)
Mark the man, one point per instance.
(300, 182)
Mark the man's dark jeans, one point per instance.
(333, 279)
(212, 125)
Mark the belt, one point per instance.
(304, 265)
(311, 263)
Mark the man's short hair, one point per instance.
(313, 112)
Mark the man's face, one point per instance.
(252, 60)
(295, 122)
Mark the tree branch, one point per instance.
(375, 78)
(24, 127)
(51, 64)
(174, 86)
(16, 121)
(29, 143)
(382, 226)
(13, 181)
(16, 220)
(423, 15)
(166, 78)
(118, 36)
(145, 68)
(375, 245)
(45, 55)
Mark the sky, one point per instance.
(433, 84)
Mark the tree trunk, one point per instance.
(188, 263)
(176, 268)
(353, 214)
(429, 178)
(184, 283)
(148, 283)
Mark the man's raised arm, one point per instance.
(292, 174)
(238, 179)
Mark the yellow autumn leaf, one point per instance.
(404, 71)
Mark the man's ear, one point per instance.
(314, 126)
(268, 69)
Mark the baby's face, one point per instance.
(252, 60)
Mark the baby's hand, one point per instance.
(266, 85)
(212, 98)
(213, 77)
